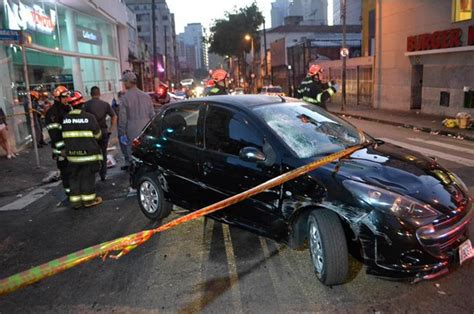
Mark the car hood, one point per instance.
(405, 172)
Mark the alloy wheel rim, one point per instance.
(149, 197)
(316, 247)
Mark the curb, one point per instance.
(408, 126)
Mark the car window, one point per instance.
(308, 129)
(180, 123)
(228, 132)
(274, 90)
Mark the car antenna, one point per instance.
(282, 99)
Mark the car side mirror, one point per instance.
(252, 154)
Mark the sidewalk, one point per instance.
(408, 119)
(21, 174)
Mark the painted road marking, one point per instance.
(431, 152)
(233, 274)
(444, 145)
(29, 198)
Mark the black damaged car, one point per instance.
(402, 213)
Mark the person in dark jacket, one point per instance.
(37, 112)
(54, 119)
(313, 90)
(81, 133)
(101, 109)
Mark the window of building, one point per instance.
(165, 17)
(228, 132)
(444, 99)
(180, 123)
(462, 10)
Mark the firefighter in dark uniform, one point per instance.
(54, 119)
(81, 133)
(313, 90)
(219, 88)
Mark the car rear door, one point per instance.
(225, 174)
(178, 151)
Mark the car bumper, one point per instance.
(434, 251)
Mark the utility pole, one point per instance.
(166, 55)
(265, 79)
(155, 61)
(344, 54)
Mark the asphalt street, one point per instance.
(209, 266)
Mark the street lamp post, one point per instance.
(289, 81)
(252, 48)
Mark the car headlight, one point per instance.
(390, 202)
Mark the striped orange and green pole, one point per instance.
(125, 244)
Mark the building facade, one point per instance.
(314, 12)
(424, 56)
(353, 12)
(71, 43)
(165, 33)
(280, 9)
(193, 36)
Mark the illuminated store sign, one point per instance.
(23, 17)
(449, 38)
(89, 36)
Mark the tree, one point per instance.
(227, 34)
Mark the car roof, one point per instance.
(245, 101)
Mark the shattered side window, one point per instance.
(308, 130)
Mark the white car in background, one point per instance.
(272, 91)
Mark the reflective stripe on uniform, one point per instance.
(79, 159)
(98, 135)
(214, 90)
(330, 91)
(89, 197)
(56, 152)
(74, 134)
(59, 144)
(75, 111)
(309, 99)
(318, 98)
(53, 126)
(74, 198)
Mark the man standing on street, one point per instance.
(81, 133)
(136, 110)
(100, 109)
(54, 119)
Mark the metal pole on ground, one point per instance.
(30, 107)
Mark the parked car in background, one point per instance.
(272, 91)
(238, 91)
(400, 212)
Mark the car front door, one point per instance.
(226, 133)
(178, 152)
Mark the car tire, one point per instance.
(328, 247)
(151, 198)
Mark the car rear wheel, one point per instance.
(328, 247)
(151, 198)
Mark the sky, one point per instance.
(205, 11)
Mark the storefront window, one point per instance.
(462, 10)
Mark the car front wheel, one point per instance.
(328, 247)
(151, 198)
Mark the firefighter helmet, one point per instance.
(35, 95)
(315, 69)
(219, 75)
(61, 91)
(76, 99)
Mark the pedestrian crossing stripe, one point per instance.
(75, 134)
(80, 159)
